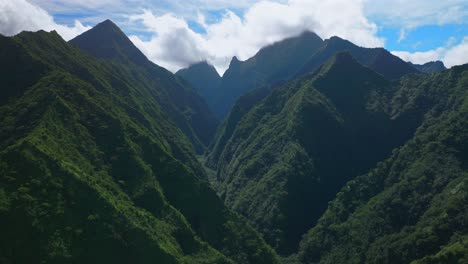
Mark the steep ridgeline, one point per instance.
(93, 169)
(279, 61)
(284, 61)
(378, 59)
(429, 67)
(242, 106)
(291, 152)
(204, 78)
(183, 105)
(413, 207)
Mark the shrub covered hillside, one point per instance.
(413, 207)
(281, 160)
(181, 103)
(93, 169)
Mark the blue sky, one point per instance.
(176, 33)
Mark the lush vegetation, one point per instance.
(95, 169)
(332, 153)
(412, 208)
(181, 103)
(280, 161)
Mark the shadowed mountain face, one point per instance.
(290, 154)
(277, 62)
(94, 168)
(284, 61)
(185, 107)
(429, 67)
(281, 156)
(412, 208)
(204, 78)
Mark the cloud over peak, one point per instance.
(174, 44)
(176, 33)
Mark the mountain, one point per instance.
(412, 207)
(184, 106)
(204, 78)
(378, 59)
(291, 58)
(292, 151)
(106, 40)
(94, 167)
(429, 67)
(242, 106)
(277, 62)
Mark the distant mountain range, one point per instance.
(204, 78)
(285, 60)
(429, 67)
(311, 151)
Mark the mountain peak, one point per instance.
(234, 62)
(199, 67)
(342, 59)
(339, 42)
(429, 67)
(106, 40)
(344, 66)
(108, 22)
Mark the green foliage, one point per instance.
(181, 103)
(281, 160)
(412, 208)
(94, 170)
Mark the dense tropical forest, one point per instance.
(311, 151)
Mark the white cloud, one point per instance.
(175, 46)
(450, 54)
(263, 23)
(19, 15)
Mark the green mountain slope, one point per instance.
(204, 78)
(412, 208)
(242, 106)
(277, 62)
(289, 155)
(94, 170)
(183, 104)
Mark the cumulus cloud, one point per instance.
(450, 54)
(174, 44)
(19, 15)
